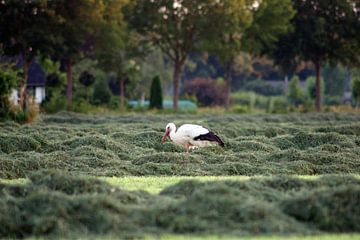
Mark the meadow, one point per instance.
(79, 175)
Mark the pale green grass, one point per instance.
(318, 237)
(156, 184)
(14, 181)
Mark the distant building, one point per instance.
(36, 80)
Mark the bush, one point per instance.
(56, 103)
(296, 94)
(250, 99)
(102, 94)
(262, 87)
(356, 90)
(278, 105)
(207, 91)
(311, 87)
(156, 97)
(240, 109)
(8, 81)
(114, 102)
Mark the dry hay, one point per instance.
(110, 145)
(57, 204)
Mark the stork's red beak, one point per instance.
(165, 136)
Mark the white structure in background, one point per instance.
(14, 97)
(38, 94)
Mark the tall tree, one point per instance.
(79, 24)
(175, 26)
(230, 20)
(25, 30)
(118, 47)
(246, 25)
(323, 32)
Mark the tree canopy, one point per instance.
(322, 33)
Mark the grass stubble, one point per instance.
(71, 203)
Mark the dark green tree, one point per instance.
(25, 30)
(323, 32)
(174, 26)
(356, 90)
(246, 26)
(79, 28)
(156, 96)
(8, 81)
(296, 94)
(101, 94)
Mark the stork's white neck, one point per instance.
(172, 134)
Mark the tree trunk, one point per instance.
(122, 93)
(286, 81)
(318, 87)
(23, 84)
(176, 82)
(69, 87)
(228, 80)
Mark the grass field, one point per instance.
(251, 188)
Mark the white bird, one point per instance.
(191, 136)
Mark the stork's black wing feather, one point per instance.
(210, 136)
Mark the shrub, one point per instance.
(263, 87)
(311, 87)
(56, 103)
(156, 97)
(296, 94)
(86, 79)
(278, 105)
(102, 94)
(244, 98)
(356, 90)
(8, 81)
(240, 109)
(207, 91)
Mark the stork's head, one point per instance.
(168, 129)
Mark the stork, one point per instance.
(191, 136)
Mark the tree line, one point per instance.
(113, 31)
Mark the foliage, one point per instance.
(277, 104)
(336, 80)
(156, 96)
(175, 27)
(315, 25)
(154, 63)
(8, 81)
(86, 79)
(34, 35)
(262, 87)
(356, 89)
(311, 87)
(271, 19)
(208, 92)
(101, 94)
(296, 94)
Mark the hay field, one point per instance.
(130, 145)
(64, 155)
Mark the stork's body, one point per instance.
(191, 136)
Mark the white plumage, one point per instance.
(190, 136)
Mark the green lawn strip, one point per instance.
(316, 237)
(155, 184)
